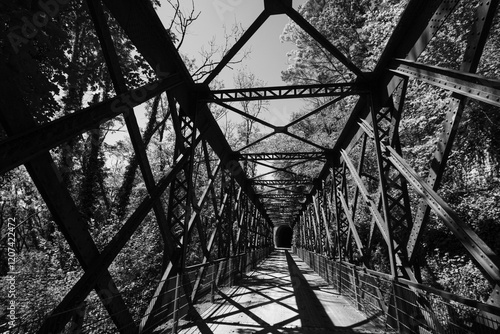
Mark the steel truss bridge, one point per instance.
(250, 209)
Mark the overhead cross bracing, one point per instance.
(284, 156)
(284, 92)
(366, 204)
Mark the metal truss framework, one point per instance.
(284, 156)
(284, 92)
(324, 212)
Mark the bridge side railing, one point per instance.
(90, 317)
(218, 274)
(395, 305)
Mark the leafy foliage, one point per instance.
(310, 63)
(61, 69)
(470, 184)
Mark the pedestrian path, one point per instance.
(283, 295)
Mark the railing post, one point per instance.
(333, 264)
(396, 308)
(231, 271)
(176, 303)
(241, 265)
(357, 289)
(213, 285)
(340, 276)
(325, 269)
(78, 318)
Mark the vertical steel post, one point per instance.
(383, 190)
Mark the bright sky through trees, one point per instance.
(268, 56)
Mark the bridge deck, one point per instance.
(283, 295)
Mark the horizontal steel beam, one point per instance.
(470, 85)
(284, 92)
(285, 208)
(281, 205)
(280, 211)
(281, 182)
(284, 156)
(289, 211)
(281, 202)
(282, 196)
(279, 189)
(278, 214)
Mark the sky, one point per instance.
(268, 56)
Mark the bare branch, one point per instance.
(180, 21)
(208, 64)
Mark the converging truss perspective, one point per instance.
(359, 222)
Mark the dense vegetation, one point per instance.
(470, 184)
(65, 62)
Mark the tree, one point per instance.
(56, 69)
(310, 63)
(247, 129)
(472, 174)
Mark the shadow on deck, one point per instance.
(283, 295)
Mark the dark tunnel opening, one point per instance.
(283, 237)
